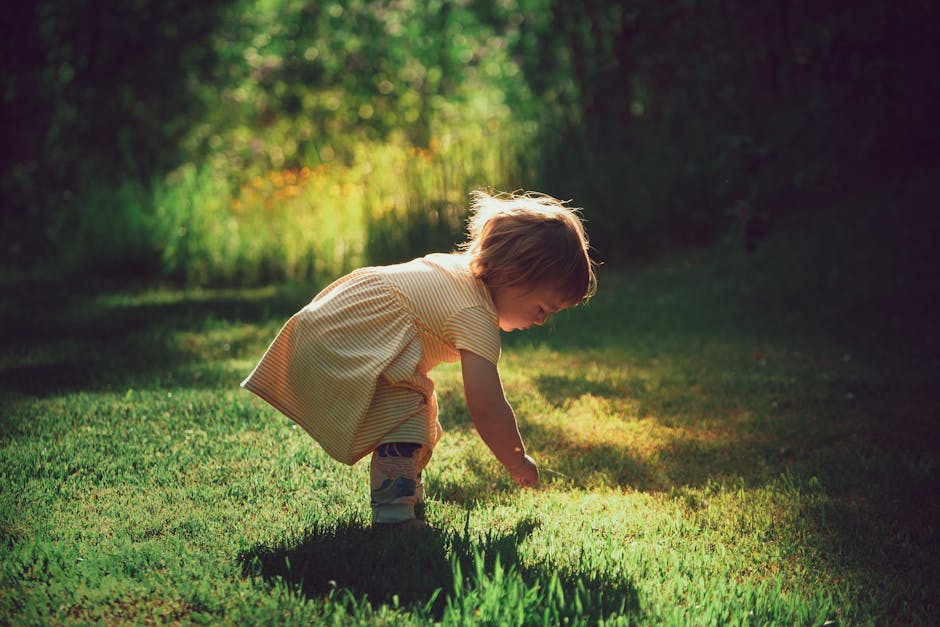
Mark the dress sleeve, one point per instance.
(474, 329)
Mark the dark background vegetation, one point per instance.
(672, 123)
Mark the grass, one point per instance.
(383, 201)
(724, 439)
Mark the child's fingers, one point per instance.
(527, 474)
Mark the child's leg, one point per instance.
(401, 430)
(395, 477)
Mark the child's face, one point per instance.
(519, 307)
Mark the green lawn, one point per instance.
(724, 439)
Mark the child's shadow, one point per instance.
(416, 566)
(410, 564)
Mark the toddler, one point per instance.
(352, 366)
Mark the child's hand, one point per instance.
(526, 474)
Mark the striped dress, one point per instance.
(351, 367)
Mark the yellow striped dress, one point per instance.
(351, 367)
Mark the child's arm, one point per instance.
(494, 419)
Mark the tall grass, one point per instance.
(391, 201)
(283, 224)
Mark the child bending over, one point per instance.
(352, 366)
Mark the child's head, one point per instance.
(530, 241)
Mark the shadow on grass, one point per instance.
(61, 338)
(559, 389)
(417, 567)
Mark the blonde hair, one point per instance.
(529, 239)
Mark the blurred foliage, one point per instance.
(247, 141)
(690, 117)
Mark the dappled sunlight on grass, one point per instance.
(609, 422)
(617, 418)
(591, 426)
(221, 343)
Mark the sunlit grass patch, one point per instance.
(608, 423)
